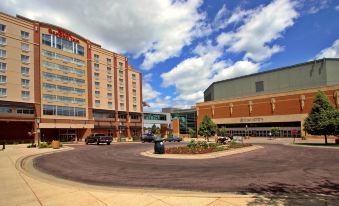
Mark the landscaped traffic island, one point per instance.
(203, 147)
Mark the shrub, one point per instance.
(44, 145)
(222, 132)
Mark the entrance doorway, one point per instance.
(68, 135)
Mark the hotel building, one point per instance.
(283, 97)
(63, 86)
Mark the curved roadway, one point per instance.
(273, 169)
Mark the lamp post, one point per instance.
(38, 130)
(246, 132)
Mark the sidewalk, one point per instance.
(17, 187)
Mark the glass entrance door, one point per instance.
(68, 135)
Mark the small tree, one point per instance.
(222, 132)
(323, 118)
(192, 133)
(207, 128)
(154, 129)
(275, 131)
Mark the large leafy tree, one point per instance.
(207, 128)
(323, 118)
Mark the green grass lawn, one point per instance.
(318, 144)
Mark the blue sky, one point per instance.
(181, 47)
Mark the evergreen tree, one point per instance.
(154, 129)
(207, 128)
(323, 118)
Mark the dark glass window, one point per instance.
(46, 39)
(259, 86)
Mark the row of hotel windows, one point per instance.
(24, 58)
(24, 82)
(96, 58)
(66, 79)
(63, 99)
(19, 110)
(62, 57)
(109, 70)
(24, 70)
(62, 44)
(24, 46)
(50, 65)
(24, 34)
(60, 88)
(24, 94)
(64, 111)
(107, 115)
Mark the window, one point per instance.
(25, 94)
(134, 76)
(109, 95)
(97, 93)
(259, 86)
(109, 87)
(46, 39)
(120, 65)
(24, 34)
(97, 84)
(121, 74)
(134, 116)
(3, 79)
(121, 89)
(121, 82)
(122, 116)
(3, 92)
(3, 53)
(25, 47)
(110, 105)
(24, 110)
(122, 98)
(5, 109)
(134, 100)
(96, 67)
(96, 75)
(25, 71)
(109, 78)
(25, 82)
(2, 28)
(24, 59)
(134, 92)
(2, 40)
(97, 103)
(109, 70)
(134, 107)
(3, 66)
(122, 106)
(109, 61)
(80, 50)
(96, 57)
(134, 84)
(49, 110)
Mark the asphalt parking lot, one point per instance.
(274, 169)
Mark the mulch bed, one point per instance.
(186, 150)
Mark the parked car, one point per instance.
(99, 138)
(223, 140)
(147, 138)
(173, 139)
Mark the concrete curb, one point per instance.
(201, 156)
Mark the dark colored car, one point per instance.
(99, 138)
(147, 138)
(173, 139)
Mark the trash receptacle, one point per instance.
(55, 144)
(159, 147)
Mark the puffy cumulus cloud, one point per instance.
(258, 28)
(330, 52)
(156, 29)
(261, 27)
(148, 93)
(314, 6)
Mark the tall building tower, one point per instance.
(60, 85)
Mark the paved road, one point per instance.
(275, 169)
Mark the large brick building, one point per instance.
(253, 104)
(63, 85)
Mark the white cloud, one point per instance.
(337, 8)
(264, 25)
(148, 93)
(314, 6)
(156, 29)
(330, 52)
(259, 27)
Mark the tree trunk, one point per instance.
(325, 139)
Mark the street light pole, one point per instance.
(38, 130)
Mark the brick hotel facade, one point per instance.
(253, 104)
(63, 85)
